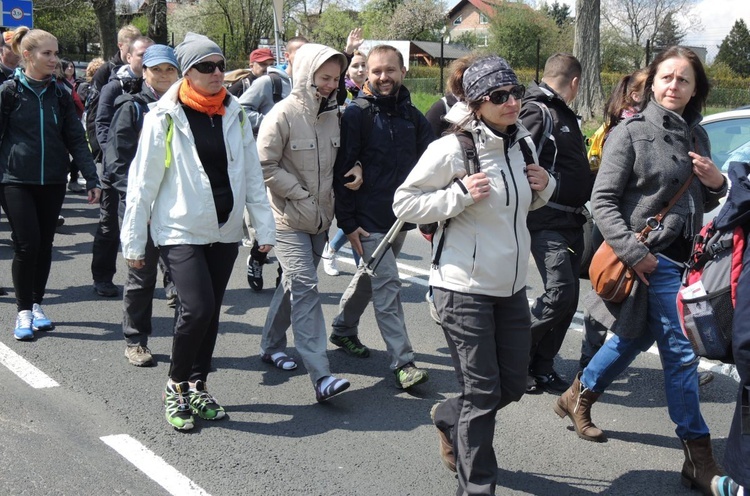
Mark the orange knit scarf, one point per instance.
(211, 105)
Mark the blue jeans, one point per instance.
(678, 361)
(338, 241)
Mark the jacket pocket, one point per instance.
(304, 154)
(302, 215)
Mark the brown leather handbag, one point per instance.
(610, 277)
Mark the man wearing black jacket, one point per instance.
(556, 229)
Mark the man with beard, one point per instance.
(385, 134)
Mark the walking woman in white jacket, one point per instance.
(479, 280)
(195, 172)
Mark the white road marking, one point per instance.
(153, 466)
(23, 369)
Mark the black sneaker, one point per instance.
(254, 274)
(551, 383)
(106, 289)
(350, 344)
(409, 375)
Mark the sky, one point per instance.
(717, 18)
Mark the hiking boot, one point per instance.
(254, 274)
(350, 344)
(40, 321)
(106, 289)
(60, 220)
(329, 261)
(531, 385)
(444, 444)
(724, 486)
(176, 399)
(23, 330)
(576, 404)
(700, 467)
(551, 383)
(409, 375)
(333, 386)
(140, 356)
(203, 404)
(704, 377)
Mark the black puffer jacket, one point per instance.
(572, 171)
(38, 133)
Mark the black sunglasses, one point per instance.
(500, 97)
(209, 67)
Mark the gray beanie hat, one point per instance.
(485, 75)
(194, 48)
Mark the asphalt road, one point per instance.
(99, 428)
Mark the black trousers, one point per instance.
(558, 257)
(488, 338)
(32, 212)
(200, 274)
(106, 244)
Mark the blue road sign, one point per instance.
(17, 13)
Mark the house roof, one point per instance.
(450, 52)
(484, 6)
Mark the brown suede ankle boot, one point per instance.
(699, 467)
(576, 404)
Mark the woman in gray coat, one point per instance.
(647, 160)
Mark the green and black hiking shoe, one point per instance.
(177, 406)
(203, 404)
(350, 344)
(409, 375)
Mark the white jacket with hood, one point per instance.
(168, 186)
(297, 144)
(487, 244)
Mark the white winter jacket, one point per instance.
(487, 244)
(168, 186)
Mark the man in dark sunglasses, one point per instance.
(557, 228)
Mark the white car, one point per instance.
(729, 133)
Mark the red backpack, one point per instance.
(706, 300)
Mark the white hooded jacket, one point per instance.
(169, 189)
(487, 244)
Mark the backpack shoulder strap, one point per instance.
(8, 95)
(276, 83)
(528, 156)
(471, 159)
(547, 126)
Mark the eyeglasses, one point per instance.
(500, 97)
(209, 67)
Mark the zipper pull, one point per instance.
(507, 190)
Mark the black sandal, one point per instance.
(335, 387)
(280, 362)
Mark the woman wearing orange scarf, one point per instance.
(195, 172)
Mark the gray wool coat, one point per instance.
(645, 162)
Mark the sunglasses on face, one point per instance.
(209, 67)
(500, 97)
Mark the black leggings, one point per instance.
(32, 212)
(200, 274)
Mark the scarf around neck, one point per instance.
(211, 105)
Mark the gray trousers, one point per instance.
(384, 289)
(296, 302)
(489, 341)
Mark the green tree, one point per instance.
(618, 54)
(73, 23)
(734, 50)
(514, 30)
(560, 13)
(333, 27)
(376, 17)
(669, 33)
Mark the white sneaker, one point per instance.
(329, 262)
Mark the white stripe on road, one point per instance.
(153, 466)
(23, 369)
